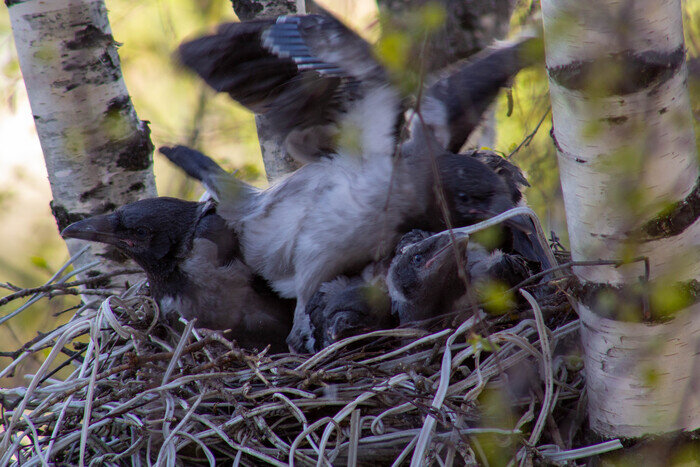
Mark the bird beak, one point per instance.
(95, 229)
(503, 204)
(460, 239)
(521, 223)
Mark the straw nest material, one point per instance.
(138, 391)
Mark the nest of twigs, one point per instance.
(141, 392)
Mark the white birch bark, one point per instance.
(626, 149)
(275, 158)
(98, 153)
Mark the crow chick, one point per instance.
(424, 280)
(192, 262)
(515, 236)
(337, 213)
(346, 307)
(320, 86)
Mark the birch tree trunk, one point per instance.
(98, 153)
(277, 161)
(629, 173)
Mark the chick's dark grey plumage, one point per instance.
(310, 75)
(517, 235)
(421, 283)
(192, 262)
(346, 307)
(424, 280)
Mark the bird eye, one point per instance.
(417, 259)
(141, 231)
(462, 196)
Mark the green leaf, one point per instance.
(40, 262)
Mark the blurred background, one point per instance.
(31, 249)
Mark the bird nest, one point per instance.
(138, 390)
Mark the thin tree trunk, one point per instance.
(629, 174)
(277, 161)
(98, 153)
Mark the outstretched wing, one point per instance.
(302, 72)
(453, 105)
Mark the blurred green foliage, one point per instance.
(402, 43)
(495, 412)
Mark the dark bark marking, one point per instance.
(89, 36)
(250, 9)
(119, 104)
(136, 187)
(580, 161)
(101, 70)
(135, 154)
(246, 9)
(638, 71)
(91, 193)
(10, 3)
(605, 300)
(615, 120)
(676, 219)
(63, 217)
(96, 70)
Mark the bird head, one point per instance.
(152, 231)
(475, 192)
(423, 278)
(510, 173)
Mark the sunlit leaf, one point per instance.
(39, 262)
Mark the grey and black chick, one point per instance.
(517, 236)
(346, 307)
(311, 74)
(192, 260)
(424, 277)
(347, 235)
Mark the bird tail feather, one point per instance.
(223, 186)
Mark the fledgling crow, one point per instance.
(310, 74)
(346, 307)
(424, 281)
(193, 264)
(518, 236)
